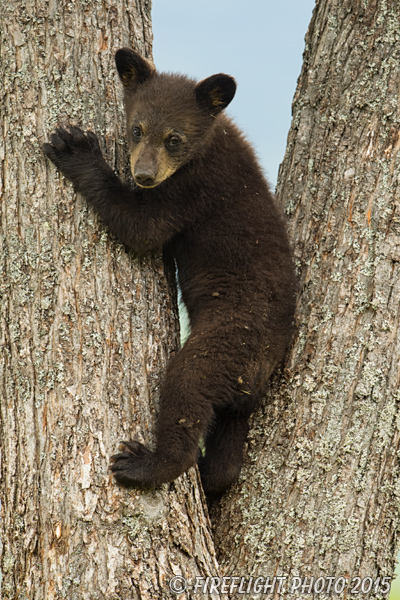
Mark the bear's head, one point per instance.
(170, 118)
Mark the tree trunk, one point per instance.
(85, 331)
(320, 494)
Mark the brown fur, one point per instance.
(201, 196)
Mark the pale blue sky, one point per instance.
(259, 42)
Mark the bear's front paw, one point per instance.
(135, 466)
(75, 153)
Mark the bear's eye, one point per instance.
(173, 141)
(136, 134)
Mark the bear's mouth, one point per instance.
(146, 185)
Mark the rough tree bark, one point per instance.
(85, 331)
(320, 494)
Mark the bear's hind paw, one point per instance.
(134, 466)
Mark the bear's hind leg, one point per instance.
(184, 417)
(224, 446)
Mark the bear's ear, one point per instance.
(132, 68)
(215, 93)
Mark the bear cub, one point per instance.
(200, 195)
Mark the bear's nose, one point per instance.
(145, 178)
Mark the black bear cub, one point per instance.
(198, 193)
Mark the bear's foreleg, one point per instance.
(143, 224)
